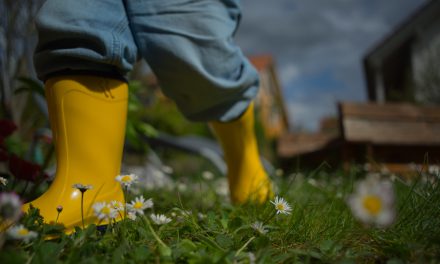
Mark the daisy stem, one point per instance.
(274, 213)
(125, 201)
(56, 220)
(244, 246)
(154, 233)
(24, 189)
(82, 209)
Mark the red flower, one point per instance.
(23, 169)
(6, 127)
(4, 156)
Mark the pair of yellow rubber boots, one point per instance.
(88, 115)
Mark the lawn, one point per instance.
(206, 228)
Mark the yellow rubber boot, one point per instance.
(88, 116)
(248, 181)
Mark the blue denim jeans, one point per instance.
(188, 44)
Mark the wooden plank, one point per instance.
(393, 132)
(299, 144)
(406, 112)
(390, 124)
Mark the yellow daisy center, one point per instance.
(23, 232)
(138, 205)
(373, 204)
(280, 207)
(105, 210)
(126, 178)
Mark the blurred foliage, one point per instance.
(136, 128)
(17, 41)
(266, 146)
(150, 113)
(34, 112)
(163, 114)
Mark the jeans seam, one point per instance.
(116, 43)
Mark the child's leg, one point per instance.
(81, 41)
(247, 178)
(88, 116)
(84, 36)
(189, 45)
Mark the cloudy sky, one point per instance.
(318, 47)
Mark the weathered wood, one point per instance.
(391, 111)
(390, 135)
(298, 144)
(391, 124)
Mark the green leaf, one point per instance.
(211, 219)
(47, 252)
(224, 222)
(330, 247)
(261, 242)
(209, 242)
(141, 254)
(395, 261)
(164, 251)
(187, 245)
(147, 129)
(224, 241)
(53, 229)
(13, 255)
(118, 254)
(236, 223)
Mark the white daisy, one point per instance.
(182, 187)
(3, 181)
(201, 216)
(279, 172)
(21, 233)
(117, 205)
(373, 202)
(207, 175)
(186, 213)
(313, 182)
(127, 179)
(140, 204)
(222, 187)
(259, 227)
(82, 188)
(160, 219)
(131, 215)
(252, 258)
(167, 169)
(434, 170)
(104, 210)
(10, 206)
(281, 206)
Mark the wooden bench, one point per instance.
(394, 134)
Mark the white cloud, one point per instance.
(305, 115)
(289, 73)
(309, 37)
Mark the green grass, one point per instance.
(320, 229)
